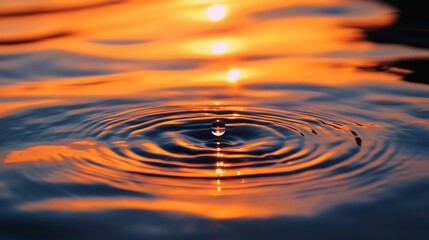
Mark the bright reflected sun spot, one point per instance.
(216, 12)
(219, 47)
(233, 75)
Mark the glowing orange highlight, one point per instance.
(216, 12)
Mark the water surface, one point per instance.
(107, 106)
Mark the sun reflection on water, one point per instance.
(216, 12)
(219, 47)
(220, 165)
(233, 75)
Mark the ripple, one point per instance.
(37, 10)
(175, 142)
(266, 153)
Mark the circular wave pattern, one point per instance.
(264, 146)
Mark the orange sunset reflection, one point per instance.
(219, 47)
(216, 12)
(144, 81)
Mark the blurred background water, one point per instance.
(106, 108)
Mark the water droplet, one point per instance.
(218, 128)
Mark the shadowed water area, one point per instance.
(192, 119)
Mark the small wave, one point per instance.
(266, 152)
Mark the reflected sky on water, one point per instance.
(106, 110)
